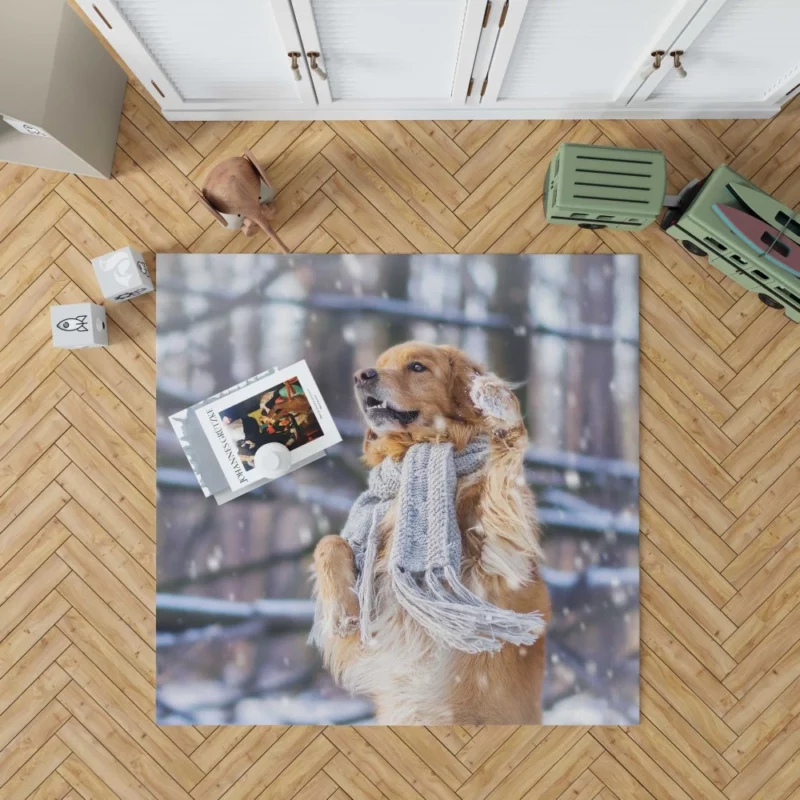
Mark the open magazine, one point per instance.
(222, 434)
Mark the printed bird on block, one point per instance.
(237, 192)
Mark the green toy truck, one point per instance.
(701, 231)
(610, 187)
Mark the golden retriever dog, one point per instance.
(418, 392)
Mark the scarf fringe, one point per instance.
(453, 615)
(366, 582)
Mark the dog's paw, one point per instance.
(340, 619)
(335, 620)
(496, 402)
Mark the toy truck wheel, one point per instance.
(592, 226)
(693, 248)
(769, 301)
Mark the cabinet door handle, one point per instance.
(102, 17)
(657, 55)
(312, 57)
(676, 60)
(294, 55)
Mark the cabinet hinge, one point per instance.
(487, 12)
(469, 88)
(485, 84)
(503, 15)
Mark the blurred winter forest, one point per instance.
(233, 587)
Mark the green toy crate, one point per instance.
(605, 187)
(698, 228)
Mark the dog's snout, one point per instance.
(365, 376)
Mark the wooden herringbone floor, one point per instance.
(720, 391)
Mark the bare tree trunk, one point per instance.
(600, 419)
(511, 349)
(397, 270)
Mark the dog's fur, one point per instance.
(419, 392)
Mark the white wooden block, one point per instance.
(122, 274)
(78, 325)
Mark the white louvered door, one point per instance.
(434, 59)
(575, 54)
(734, 51)
(209, 55)
(390, 53)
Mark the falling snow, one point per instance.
(619, 597)
(350, 334)
(214, 559)
(305, 535)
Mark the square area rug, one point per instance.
(235, 603)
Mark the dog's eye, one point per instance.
(415, 366)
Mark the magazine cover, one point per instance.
(285, 407)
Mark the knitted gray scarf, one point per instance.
(425, 557)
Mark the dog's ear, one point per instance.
(463, 372)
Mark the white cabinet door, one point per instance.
(734, 51)
(207, 55)
(390, 53)
(562, 54)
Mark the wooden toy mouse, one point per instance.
(237, 192)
